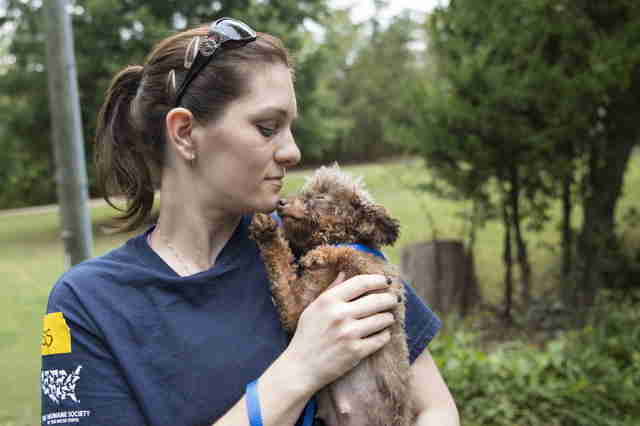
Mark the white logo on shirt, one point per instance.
(59, 385)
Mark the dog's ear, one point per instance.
(375, 225)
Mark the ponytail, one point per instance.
(121, 155)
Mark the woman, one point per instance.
(170, 328)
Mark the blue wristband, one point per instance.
(309, 412)
(253, 407)
(253, 404)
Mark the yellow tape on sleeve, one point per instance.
(56, 337)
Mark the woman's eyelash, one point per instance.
(266, 131)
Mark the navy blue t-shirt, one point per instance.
(126, 341)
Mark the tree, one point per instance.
(614, 80)
(534, 101)
(319, 75)
(373, 87)
(362, 70)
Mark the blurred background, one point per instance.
(502, 134)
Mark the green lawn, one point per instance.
(32, 259)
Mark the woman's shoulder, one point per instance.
(115, 260)
(124, 264)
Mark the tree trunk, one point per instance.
(468, 296)
(597, 241)
(440, 273)
(521, 246)
(508, 263)
(567, 284)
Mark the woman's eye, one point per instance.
(266, 131)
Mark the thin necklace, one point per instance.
(175, 253)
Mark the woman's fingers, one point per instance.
(359, 285)
(346, 323)
(372, 304)
(366, 327)
(374, 342)
(339, 280)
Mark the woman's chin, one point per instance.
(268, 206)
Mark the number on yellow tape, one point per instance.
(56, 337)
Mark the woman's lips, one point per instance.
(275, 181)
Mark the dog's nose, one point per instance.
(282, 202)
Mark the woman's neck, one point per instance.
(189, 237)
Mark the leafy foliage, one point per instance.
(318, 75)
(372, 89)
(354, 80)
(587, 377)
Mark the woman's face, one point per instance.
(241, 157)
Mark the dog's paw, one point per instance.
(263, 227)
(314, 261)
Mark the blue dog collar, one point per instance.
(356, 246)
(364, 248)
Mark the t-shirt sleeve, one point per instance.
(421, 324)
(82, 383)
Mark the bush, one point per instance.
(587, 377)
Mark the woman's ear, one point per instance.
(179, 124)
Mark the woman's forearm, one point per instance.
(282, 394)
(445, 416)
(434, 403)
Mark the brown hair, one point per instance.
(130, 135)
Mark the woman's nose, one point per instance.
(288, 153)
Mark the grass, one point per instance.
(32, 259)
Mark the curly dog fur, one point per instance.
(334, 208)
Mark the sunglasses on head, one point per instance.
(223, 32)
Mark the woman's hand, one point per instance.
(340, 328)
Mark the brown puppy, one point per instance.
(331, 209)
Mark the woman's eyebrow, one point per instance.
(279, 111)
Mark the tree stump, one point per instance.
(442, 273)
